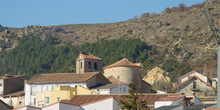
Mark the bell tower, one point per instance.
(88, 63)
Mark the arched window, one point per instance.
(89, 65)
(95, 66)
(81, 65)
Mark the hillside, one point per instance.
(182, 37)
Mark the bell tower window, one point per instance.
(89, 65)
(95, 66)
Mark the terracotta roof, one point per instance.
(97, 100)
(87, 56)
(62, 77)
(172, 98)
(84, 99)
(113, 80)
(194, 76)
(123, 63)
(7, 76)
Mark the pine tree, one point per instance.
(133, 103)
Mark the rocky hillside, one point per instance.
(184, 35)
(157, 75)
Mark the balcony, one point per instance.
(195, 88)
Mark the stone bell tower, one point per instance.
(88, 63)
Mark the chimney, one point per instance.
(214, 83)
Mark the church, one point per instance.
(124, 70)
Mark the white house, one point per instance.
(61, 106)
(108, 103)
(100, 102)
(120, 88)
(186, 76)
(27, 108)
(47, 82)
(170, 100)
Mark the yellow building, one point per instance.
(60, 93)
(84, 91)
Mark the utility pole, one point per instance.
(217, 34)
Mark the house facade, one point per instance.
(27, 108)
(170, 100)
(12, 89)
(60, 93)
(194, 86)
(49, 97)
(108, 103)
(11, 83)
(48, 82)
(61, 106)
(120, 88)
(186, 76)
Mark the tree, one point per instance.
(133, 103)
(145, 15)
(182, 6)
(153, 13)
(167, 10)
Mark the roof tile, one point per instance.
(87, 56)
(62, 77)
(123, 62)
(113, 80)
(85, 99)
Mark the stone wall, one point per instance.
(201, 88)
(127, 75)
(85, 65)
(14, 84)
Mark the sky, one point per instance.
(23, 13)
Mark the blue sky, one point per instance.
(21, 13)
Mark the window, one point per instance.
(95, 66)
(34, 101)
(124, 89)
(53, 87)
(118, 77)
(33, 90)
(46, 100)
(47, 88)
(20, 102)
(40, 103)
(81, 65)
(42, 88)
(120, 88)
(182, 93)
(206, 94)
(194, 85)
(89, 65)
